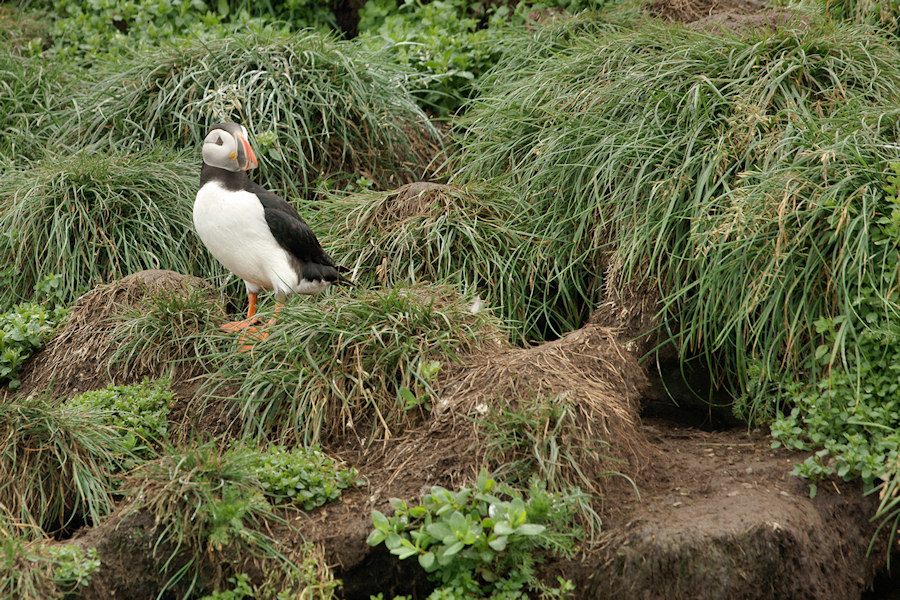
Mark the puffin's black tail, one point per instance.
(341, 280)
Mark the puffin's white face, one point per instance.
(226, 147)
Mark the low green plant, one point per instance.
(208, 505)
(40, 571)
(850, 415)
(138, 411)
(57, 465)
(474, 543)
(306, 477)
(92, 31)
(23, 331)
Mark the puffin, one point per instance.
(253, 232)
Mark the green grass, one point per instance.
(97, 217)
(739, 175)
(356, 363)
(56, 465)
(478, 237)
(316, 108)
(167, 331)
(29, 91)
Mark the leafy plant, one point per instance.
(208, 505)
(850, 416)
(472, 541)
(23, 331)
(138, 411)
(304, 476)
(42, 572)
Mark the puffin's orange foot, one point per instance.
(239, 326)
(248, 333)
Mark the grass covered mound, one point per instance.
(144, 325)
(316, 108)
(355, 366)
(740, 175)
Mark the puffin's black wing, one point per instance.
(295, 236)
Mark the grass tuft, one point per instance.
(97, 218)
(739, 175)
(478, 237)
(56, 465)
(213, 521)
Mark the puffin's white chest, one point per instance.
(232, 225)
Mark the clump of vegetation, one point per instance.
(210, 512)
(137, 411)
(850, 416)
(474, 543)
(480, 238)
(23, 330)
(94, 30)
(358, 350)
(56, 465)
(213, 512)
(89, 215)
(694, 163)
(883, 13)
(166, 329)
(306, 477)
(316, 108)
(39, 571)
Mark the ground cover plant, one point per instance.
(138, 412)
(213, 517)
(475, 543)
(23, 330)
(39, 571)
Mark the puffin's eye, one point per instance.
(219, 141)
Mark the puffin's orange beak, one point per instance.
(249, 157)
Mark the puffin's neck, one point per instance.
(230, 180)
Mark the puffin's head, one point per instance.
(226, 147)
